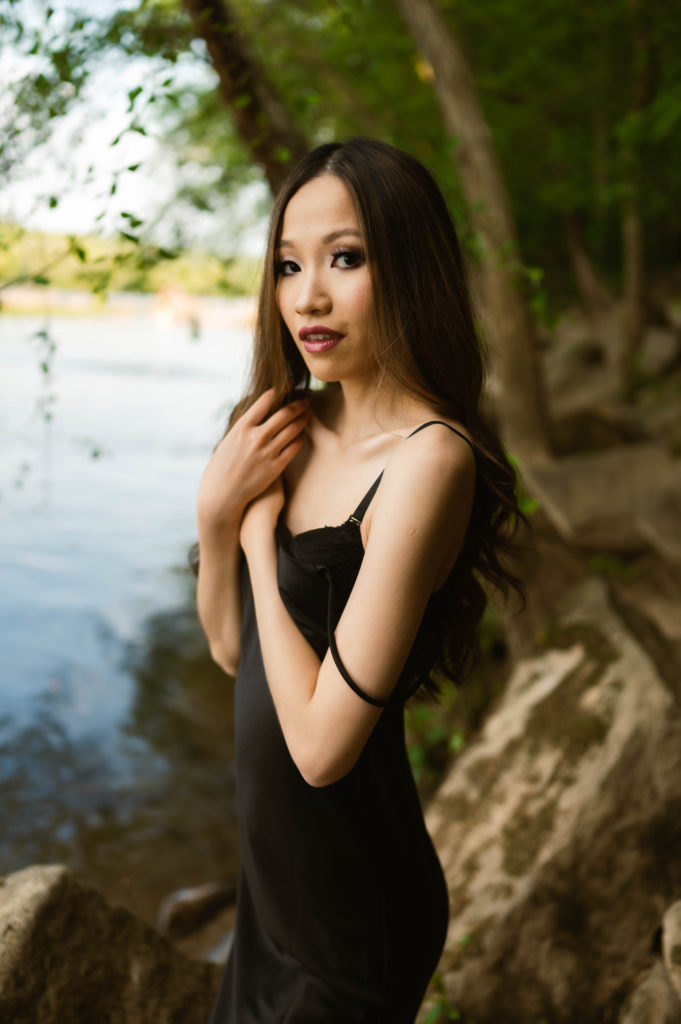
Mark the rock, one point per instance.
(660, 520)
(579, 363)
(213, 940)
(671, 945)
(608, 425)
(582, 372)
(186, 910)
(658, 409)
(664, 296)
(67, 957)
(660, 350)
(672, 311)
(648, 596)
(559, 829)
(623, 499)
(653, 1001)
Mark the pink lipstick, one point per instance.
(319, 338)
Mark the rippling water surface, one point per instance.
(115, 728)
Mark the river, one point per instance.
(115, 727)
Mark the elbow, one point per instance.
(227, 660)
(321, 771)
(318, 780)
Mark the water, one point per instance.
(115, 727)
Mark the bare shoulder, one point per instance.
(428, 483)
(441, 451)
(423, 505)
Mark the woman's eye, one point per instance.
(347, 259)
(286, 267)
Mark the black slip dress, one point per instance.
(342, 905)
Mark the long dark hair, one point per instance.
(423, 339)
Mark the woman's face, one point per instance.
(323, 284)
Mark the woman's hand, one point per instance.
(260, 518)
(250, 457)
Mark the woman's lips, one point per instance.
(319, 338)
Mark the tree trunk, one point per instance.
(633, 284)
(633, 259)
(595, 297)
(261, 118)
(521, 404)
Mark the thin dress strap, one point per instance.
(359, 513)
(442, 423)
(375, 701)
(357, 517)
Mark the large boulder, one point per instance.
(671, 945)
(621, 499)
(560, 829)
(653, 1000)
(67, 957)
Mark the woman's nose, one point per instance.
(313, 296)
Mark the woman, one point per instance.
(331, 621)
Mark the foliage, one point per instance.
(526, 503)
(571, 142)
(584, 103)
(58, 69)
(439, 1010)
(613, 566)
(438, 730)
(559, 85)
(117, 264)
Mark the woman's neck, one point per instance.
(360, 409)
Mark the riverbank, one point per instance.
(115, 726)
(169, 306)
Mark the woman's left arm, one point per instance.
(419, 520)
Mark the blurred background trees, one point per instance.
(577, 110)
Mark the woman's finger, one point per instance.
(280, 419)
(288, 432)
(262, 405)
(287, 453)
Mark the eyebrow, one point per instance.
(327, 239)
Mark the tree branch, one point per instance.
(260, 117)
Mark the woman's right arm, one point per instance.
(252, 454)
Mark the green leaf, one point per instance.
(133, 221)
(457, 741)
(77, 250)
(527, 505)
(132, 96)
